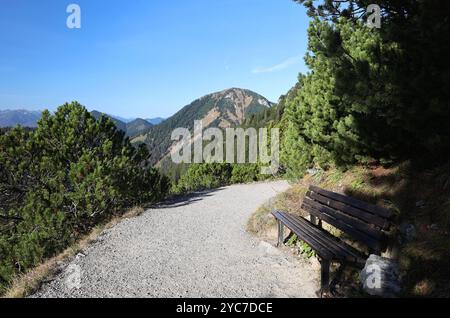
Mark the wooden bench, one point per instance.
(359, 221)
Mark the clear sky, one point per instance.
(147, 58)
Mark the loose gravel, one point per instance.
(194, 247)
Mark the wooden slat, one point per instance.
(353, 222)
(319, 248)
(339, 248)
(322, 250)
(332, 240)
(385, 213)
(355, 212)
(308, 230)
(354, 233)
(320, 240)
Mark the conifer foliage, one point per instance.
(371, 94)
(60, 180)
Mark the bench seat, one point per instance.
(326, 245)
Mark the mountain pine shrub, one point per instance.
(371, 94)
(60, 180)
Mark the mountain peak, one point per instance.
(223, 109)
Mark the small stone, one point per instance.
(380, 277)
(80, 255)
(434, 227)
(420, 204)
(407, 232)
(312, 171)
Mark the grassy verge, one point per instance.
(418, 198)
(27, 283)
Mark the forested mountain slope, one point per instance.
(221, 109)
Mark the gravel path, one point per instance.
(192, 248)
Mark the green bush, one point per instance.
(244, 173)
(213, 175)
(204, 176)
(60, 180)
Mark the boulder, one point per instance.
(380, 277)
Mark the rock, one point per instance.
(420, 204)
(380, 277)
(407, 232)
(312, 171)
(80, 255)
(434, 227)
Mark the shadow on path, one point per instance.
(186, 199)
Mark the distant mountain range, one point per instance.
(153, 121)
(222, 109)
(25, 118)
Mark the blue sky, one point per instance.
(147, 58)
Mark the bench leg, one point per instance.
(324, 276)
(337, 278)
(316, 221)
(280, 233)
(290, 235)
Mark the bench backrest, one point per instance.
(360, 220)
